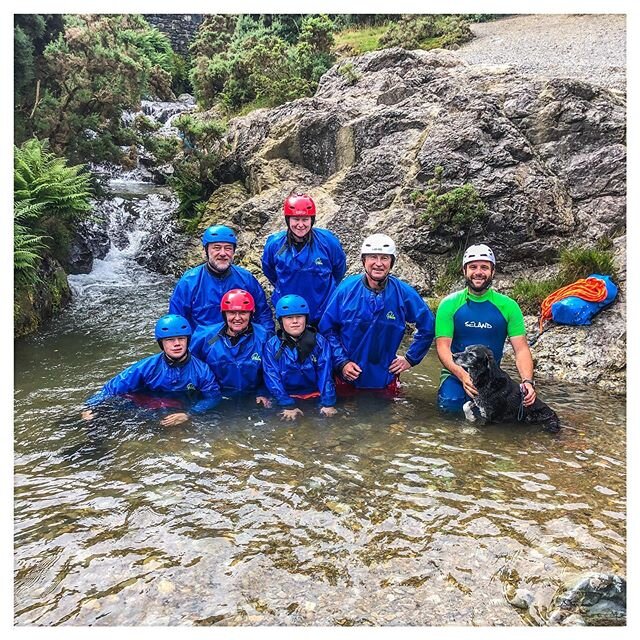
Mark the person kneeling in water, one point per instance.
(297, 361)
(233, 348)
(174, 373)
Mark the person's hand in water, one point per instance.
(291, 414)
(174, 419)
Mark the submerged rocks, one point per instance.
(598, 599)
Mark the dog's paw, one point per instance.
(551, 426)
(468, 411)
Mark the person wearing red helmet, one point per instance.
(233, 348)
(303, 259)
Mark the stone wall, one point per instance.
(179, 27)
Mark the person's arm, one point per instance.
(443, 347)
(180, 301)
(339, 260)
(262, 315)
(524, 364)
(210, 390)
(273, 379)
(329, 327)
(324, 371)
(268, 262)
(418, 312)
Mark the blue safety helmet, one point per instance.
(219, 233)
(172, 326)
(291, 305)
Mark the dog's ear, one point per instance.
(485, 368)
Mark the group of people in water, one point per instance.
(334, 335)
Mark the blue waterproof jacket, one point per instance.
(237, 368)
(368, 328)
(186, 381)
(284, 375)
(313, 272)
(198, 293)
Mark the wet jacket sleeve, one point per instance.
(418, 313)
(268, 263)
(329, 327)
(273, 377)
(326, 385)
(210, 390)
(180, 302)
(128, 381)
(339, 260)
(263, 315)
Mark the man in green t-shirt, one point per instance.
(478, 315)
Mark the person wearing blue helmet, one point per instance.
(303, 259)
(297, 361)
(198, 293)
(366, 319)
(233, 348)
(174, 374)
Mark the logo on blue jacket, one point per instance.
(256, 357)
(391, 315)
(319, 261)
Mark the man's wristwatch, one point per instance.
(531, 382)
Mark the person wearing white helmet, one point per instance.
(479, 315)
(366, 318)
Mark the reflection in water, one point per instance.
(390, 513)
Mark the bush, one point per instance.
(243, 60)
(193, 179)
(581, 262)
(348, 72)
(427, 32)
(530, 293)
(27, 245)
(457, 209)
(49, 197)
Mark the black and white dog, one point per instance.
(499, 398)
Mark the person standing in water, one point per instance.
(303, 259)
(198, 293)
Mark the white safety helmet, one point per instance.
(478, 252)
(378, 243)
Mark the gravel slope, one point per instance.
(588, 47)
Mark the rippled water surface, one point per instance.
(388, 514)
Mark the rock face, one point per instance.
(546, 157)
(33, 308)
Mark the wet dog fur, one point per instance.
(499, 398)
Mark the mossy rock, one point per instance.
(34, 306)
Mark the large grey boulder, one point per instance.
(547, 157)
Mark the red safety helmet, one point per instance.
(237, 300)
(299, 204)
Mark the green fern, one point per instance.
(41, 176)
(27, 246)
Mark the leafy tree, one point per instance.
(99, 66)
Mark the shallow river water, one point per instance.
(387, 514)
